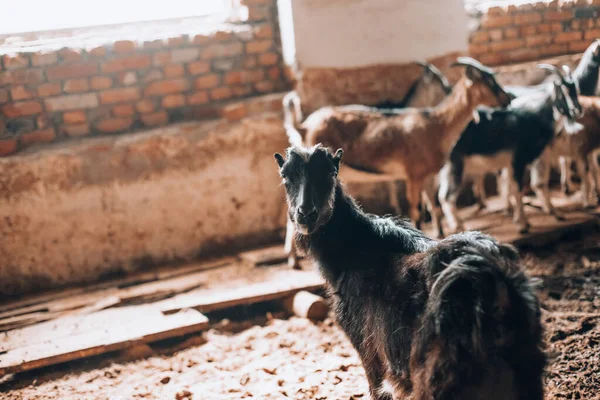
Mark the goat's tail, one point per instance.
(481, 330)
(292, 116)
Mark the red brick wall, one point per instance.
(123, 86)
(533, 31)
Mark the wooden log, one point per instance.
(307, 305)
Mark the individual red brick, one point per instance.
(565, 37)
(496, 10)
(221, 93)
(22, 109)
(496, 35)
(208, 81)
(245, 34)
(74, 117)
(496, 21)
(39, 136)
(258, 14)
(21, 93)
(155, 119)
(15, 61)
(268, 59)
(592, 34)
(76, 130)
(274, 73)
(524, 54)
(562, 15)
(161, 58)
(479, 37)
(198, 67)
(166, 87)
(241, 91)
(223, 65)
(511, 33)
(506, 45)
(113, 125)
(123, 110)
(264, 31)
(222, 50)
(528, 18)
(127, 78)
(3, 96)
(527, 30)
(223, 35)
(98, 52)
(173, 101)
(144, 106)
(265, 86)
(76, 85)
(126, 63)
(48, 89)
(119, 95)
(576, 25)
(154, 44)
(38, 59)
(184, 55)
(153, 75)
(237, 77)
(8, 146)
(493, 59)
(477, 49)
(67, 55)
(578, 47)
(557, 27)
(198, 98)
(201, 39)
(123, 46)
(72, 102)
(101, 82)
(538, 40)
(21, 77)
(554, 49)
(177, 41)
(174, 70)
(258, 46)
(61, 72)
(235, 112)
(542, 28)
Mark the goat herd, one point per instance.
(456, 318)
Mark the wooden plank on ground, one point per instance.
(38, 302)
(279, 283)
(164, 284)
(143, 325)
(266, 255)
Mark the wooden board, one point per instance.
(278, 283)
(95, 334)
(266, 256)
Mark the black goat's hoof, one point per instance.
(524, 229)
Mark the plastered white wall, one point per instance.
(352, 33)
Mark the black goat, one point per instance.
(510, 140)
(454, 319)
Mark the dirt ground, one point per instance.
(274, 357)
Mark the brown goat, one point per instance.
(411, 144)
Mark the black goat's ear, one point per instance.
(279, 159)
(337, 157)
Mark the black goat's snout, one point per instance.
(307, 214)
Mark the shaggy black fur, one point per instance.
(455, 319)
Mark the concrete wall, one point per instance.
(353, 33)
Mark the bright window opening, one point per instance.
(49, 15)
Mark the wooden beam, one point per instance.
(111, 331)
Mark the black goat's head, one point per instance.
(483, 81)
(310, 179)
(566, 92)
